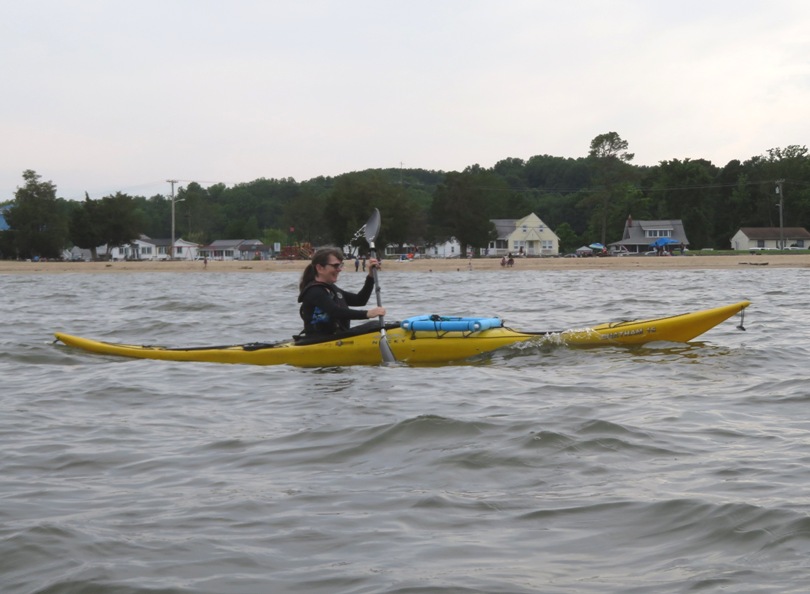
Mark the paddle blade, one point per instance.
(385, 349)
(372, 226)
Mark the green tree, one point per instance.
(556, 209)
(305, 214)
(122, 225)
(557, 174)
(792, 164)
(735, 204)
(195, 212)
(569, 240)
(352, 200)
(609, 157)
(272, 236)
(86, 226)
(251, 228)
(686, 190)
(38, 221)
(462, 208)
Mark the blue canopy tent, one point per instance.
(662, 241)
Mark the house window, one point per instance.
(178, 250)
(653, 233)
(547, 244)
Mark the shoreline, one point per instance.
(421, 265)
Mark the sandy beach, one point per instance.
(798, 260)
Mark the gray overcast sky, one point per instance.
(103, 95)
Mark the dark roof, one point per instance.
(504, 227)
(224, 244)
(253, 244)
(775, 233)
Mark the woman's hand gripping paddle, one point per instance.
(371, 229)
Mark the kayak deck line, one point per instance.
(419, 344)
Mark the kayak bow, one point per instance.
(415, 343)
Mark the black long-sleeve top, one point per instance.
(325, 308)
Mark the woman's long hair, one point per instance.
(321, 257)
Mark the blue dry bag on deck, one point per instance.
(447, 324)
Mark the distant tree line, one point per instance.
(584, 200)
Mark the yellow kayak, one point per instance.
(424, 340)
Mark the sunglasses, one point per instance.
(338, 265)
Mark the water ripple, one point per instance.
(539, 468)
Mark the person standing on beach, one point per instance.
(325, 307)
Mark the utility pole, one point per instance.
(171, 246)
(781, 206)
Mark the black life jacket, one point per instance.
(317, 321)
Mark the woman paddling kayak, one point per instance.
(325, 307)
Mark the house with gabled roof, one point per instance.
(770, 238)
(142, 248)
(450, 248)
(146, 248)
(253, 249)
(528, 236)
(184, 250)
(222, 249)
(235, 249)
(639, 235)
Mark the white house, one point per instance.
(774, 238)
(185, 250)
(146, 248)
(528, 236)
(446, 249)
(139, 249)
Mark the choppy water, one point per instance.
(669, 468)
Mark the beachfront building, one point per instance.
(146, 248)
(222, 249)
(235, 249)
(185, 250)
(253, 249)
(528, 236)
(449, 248)
(638, 236)
(770, 238)
(444, 249)
(142, 248)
